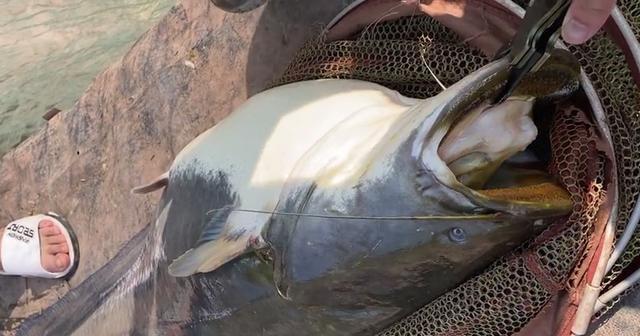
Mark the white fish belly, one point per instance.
(259, 144)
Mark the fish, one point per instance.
(336, 207)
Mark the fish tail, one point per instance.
(66, 315)
(158, 183)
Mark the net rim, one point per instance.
(631, 45)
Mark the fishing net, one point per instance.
(610, 74)
(416, 56)
(399, 55)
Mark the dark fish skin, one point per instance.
(237, 299)
(238, 6)
(331, 275)
(374, 264)
(86, 298)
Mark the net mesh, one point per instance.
(401, 55)
(415, 55)
(607, 68)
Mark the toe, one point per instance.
(45, 223)
(53, 249)
(55, 239)
(62, 262)
(49, 231)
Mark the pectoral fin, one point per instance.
(228, 235)
(224, 238)
(208, 256)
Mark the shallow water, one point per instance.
(50, 51)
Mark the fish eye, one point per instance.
(457, 235)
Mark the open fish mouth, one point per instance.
(497, 155)
(488, 152)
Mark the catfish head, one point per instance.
(452, 185)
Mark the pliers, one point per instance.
(534, 40)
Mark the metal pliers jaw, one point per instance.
(534, 40)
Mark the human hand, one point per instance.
(585, 18)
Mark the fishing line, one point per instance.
(420, 218)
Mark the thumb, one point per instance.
(585, 18)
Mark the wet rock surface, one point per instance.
(184, 75)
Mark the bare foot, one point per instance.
(54, 250)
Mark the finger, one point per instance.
(585, 18)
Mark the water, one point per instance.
(50, 51)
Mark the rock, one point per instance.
(51, 113)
